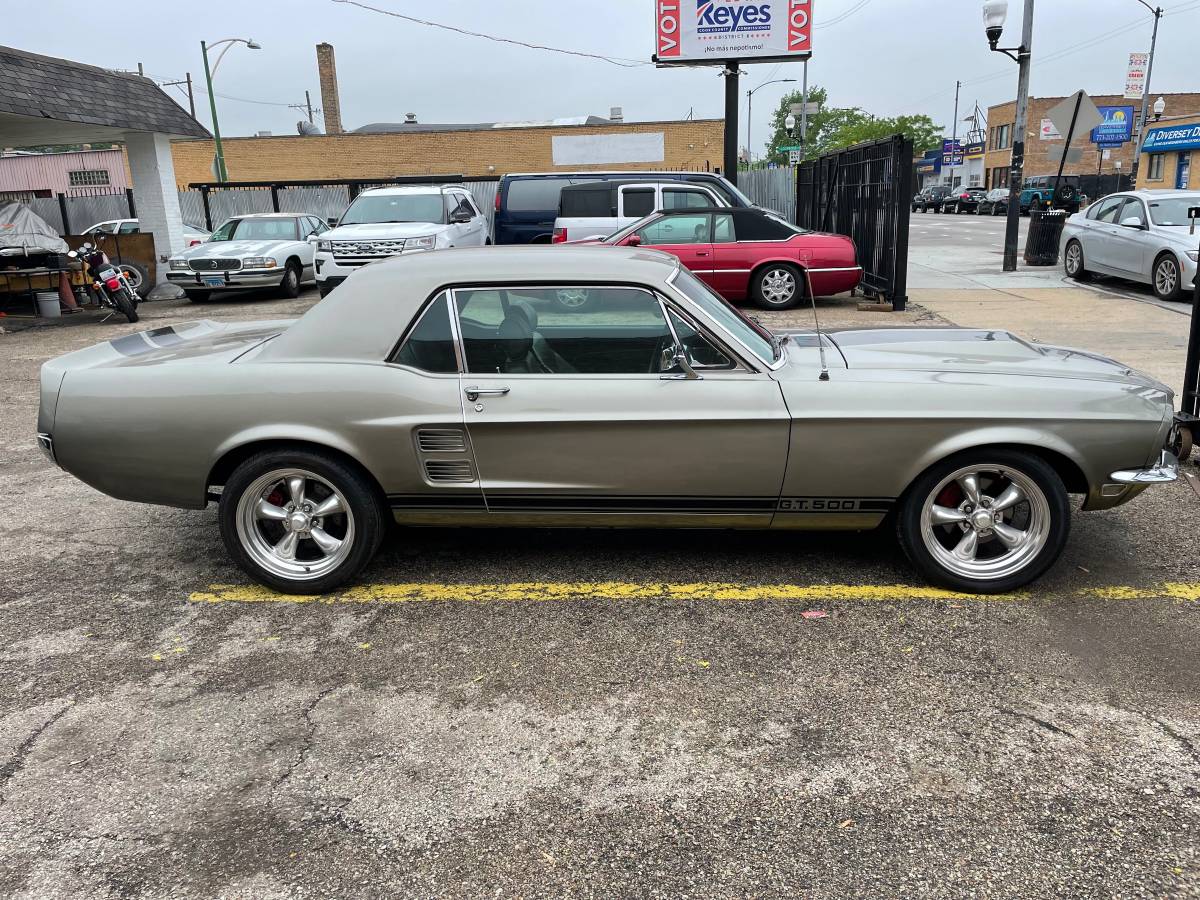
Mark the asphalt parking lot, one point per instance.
(529, 713)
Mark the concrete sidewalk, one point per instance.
(1141, 334)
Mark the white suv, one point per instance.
(388, 221)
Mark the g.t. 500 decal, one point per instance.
(834, 504)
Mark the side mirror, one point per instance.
(1132, 222)
(634, 240)
(332, 222)
(459, 218)
(676, 358)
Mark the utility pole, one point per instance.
(730, 165)
(308, 106)
(1141, 122)
(191, 97)
(804, 113)
(954, 132)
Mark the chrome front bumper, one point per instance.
(1164, 471)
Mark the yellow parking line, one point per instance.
(535, 591)
(1167, 590)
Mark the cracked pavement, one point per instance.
(152, 745)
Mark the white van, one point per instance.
(599, 208)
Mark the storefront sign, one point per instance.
(974, 151)
(1172, 137)
(1117, 127)
(1135, 77)
(710, 32)
(1049, 132)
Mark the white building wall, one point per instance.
(155, 195)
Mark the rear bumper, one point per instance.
(46, 444)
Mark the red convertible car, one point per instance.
(749, 253)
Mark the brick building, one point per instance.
(1171, 154)
(451, 149)
(1038, 143)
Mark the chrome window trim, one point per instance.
(730, 339)
(670, 309)
(414, 324)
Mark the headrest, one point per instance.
(527, 308)
(515, 334)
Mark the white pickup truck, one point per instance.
(599, 208)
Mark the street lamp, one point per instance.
(995, 14)
(790, 124)
(750, 109)
(222, 175)
(1160, 106)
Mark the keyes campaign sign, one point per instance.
(709, 32)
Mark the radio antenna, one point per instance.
(824, 376)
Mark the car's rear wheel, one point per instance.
(573, 299)
(290, 285)
(300, 521)
(1073, 261)
(777, 286)
(985, 521)
(1167, 282)
(198, 296)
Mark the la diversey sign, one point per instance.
(1172, 137)
(710, 32)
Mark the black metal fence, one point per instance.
(864, 192)
(82, 208)
(213, 202)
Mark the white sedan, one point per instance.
(1140, 235)
(261, 250)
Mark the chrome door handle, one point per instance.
(474, 393)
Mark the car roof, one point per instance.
(610, 174)
(1160, 193)
(397, 189)
(364, 318)
(273, 215)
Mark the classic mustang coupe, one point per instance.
(450, 388)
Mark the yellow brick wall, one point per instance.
(1170, 161)
(694, 145)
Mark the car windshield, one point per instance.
(1172, 211)
(264, 229)
(377, 208)
(760, 341)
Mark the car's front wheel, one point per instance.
(985, 521)
(290, 285)
(1073, 261)
(777, 286)
(1167, 283)
(300, 521)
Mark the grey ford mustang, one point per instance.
(451, 388)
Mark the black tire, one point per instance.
(1073, 261)
(909, 528)
(290, 285)
(198, 296)
(324, 288)
(772, 271)
(1167, 277)
(125, 304)
(957, 209)
(368, 513)
(138, 277)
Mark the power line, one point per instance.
(624, 62)
(841, 17)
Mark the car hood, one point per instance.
(238, 249)
(382, 231)
(973, 350)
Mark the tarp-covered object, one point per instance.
(22, 231)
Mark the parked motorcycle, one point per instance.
(109, 283)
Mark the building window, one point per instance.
(999, 177)
(1003, 137)
(88, 177)
(1155, 171)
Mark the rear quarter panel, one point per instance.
(152, 434)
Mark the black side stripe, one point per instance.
(473, 500)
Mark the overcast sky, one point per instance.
(887, 56)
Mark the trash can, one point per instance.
(1045, 230)
(48, 306)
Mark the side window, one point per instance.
(723, 232)
(1107, 211)
(580, 330)
(753, 226)
(468, 205)
(686, 198)
(701, 352)
(1132, 209)
(128, 228)
(637, 202)
(677, 230)
(429, 346)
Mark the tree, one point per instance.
(835, 127)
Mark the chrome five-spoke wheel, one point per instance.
(295, 524)
(301, 520)
(985, 521)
